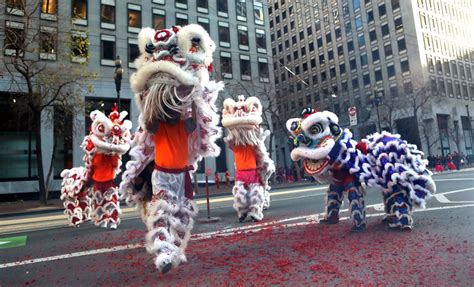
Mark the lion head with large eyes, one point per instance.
(313, 137)
(172, 63)
(109, 134)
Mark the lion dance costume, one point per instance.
(108, 140)
(178, 127)
(383, 160)
(253, 166)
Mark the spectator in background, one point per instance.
(457, 160)
(217, 179)
(227, 178)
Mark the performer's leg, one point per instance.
(355, 194)
(73, 211)
(182, 223)
(112, 207)
(99, 214)
(334, 199)
(266, 199)
(256, 200)
(388, 217)
(241, 200)
(400, 207)
(85, 206)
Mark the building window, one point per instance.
(398, 23)
(159, 19)
(328, 38)
(366, 79)
(385, 30)
(222, 8)
(391, 71)
(243, 36)
(402, 46)
(204, 22)
(342, 69)
(395, 4)
(261, 41)
(361, 40)
(79, 12)
(370, 16)
(63, 139)
(356, 4)
(14, 38)
(358, 22)
(258, 13)
(353, 64)
(181, 19)
(263, 71)
(340, 51)
(49, 9)
(133, 52)
(382, 11)
(245, 68)
(350, 46)
(394, 91)
(226, 65)
(107, 44)
(241, 10)
(378, 75)
(107, 14)
(450, 89)
(79, 47)
(182, 4)
(454, 69)
(372, 36)
(224, 34)
(202, 6)
(408, 87)
(134, 18)
(442, 87)
(16, 7)
(355, 83)
(348, 28)
(48, 43)
(375, 55)
(388, 50)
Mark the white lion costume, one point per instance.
(178, 127)
(108, 140)
(253, 166)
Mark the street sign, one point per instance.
(11, 242)
(352, 115)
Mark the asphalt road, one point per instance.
(288, 248)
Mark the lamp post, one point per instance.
(377, 100)
(118, 78)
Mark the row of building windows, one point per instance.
(449, 68)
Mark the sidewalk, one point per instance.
(30, 207)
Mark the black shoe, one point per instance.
(254, 219)
(242, 217)
(166, 268)
(388, 219)
(359, 228)
(330, 220)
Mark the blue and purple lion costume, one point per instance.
(383, 160)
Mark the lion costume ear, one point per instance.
(96, 114)
(292, 126)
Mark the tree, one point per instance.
(42, 72)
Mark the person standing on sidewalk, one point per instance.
(227, 178)
(217, 179)
(253, 165)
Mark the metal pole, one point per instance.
(378, 116)
(207, 199)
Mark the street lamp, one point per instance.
(376, 101)
(118, 78)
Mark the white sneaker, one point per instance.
(103, 224)
(113, 226)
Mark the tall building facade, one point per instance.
(240, 30)
(384, 57)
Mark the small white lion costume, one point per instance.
(253, 166)
(178, 127)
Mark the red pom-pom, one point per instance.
(209, 68)
(362, 146)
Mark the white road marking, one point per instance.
(455, 179)
(227, 232)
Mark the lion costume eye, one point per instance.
(101, 128)
(316, 128)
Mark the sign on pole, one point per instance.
(352, 115)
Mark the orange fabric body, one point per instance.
(171, 146)
(103, 167)
(245, 157)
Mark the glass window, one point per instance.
(182, 4)
(375, 55)
(398, 23)
(340, 51)
(159, 19)
(355, 83)
(363, 60)
(14, 38)
(378, 75)
(226, 65)
(388, 50)
(385, 30)
(320, 42)
(108, 50)
(372, 36)
(263, 70)
(134, 18)
(243, 36)
(328, 37)
(181, 19)
(245, 68)
(370, 16)
(356, 4)
(350, 46)
(133, 52)
(258, 13)
(408, 87)
(342, 68)
(366, 79)
(16, 7)
(358, 22)
(222, 8)
(48, 42)
(361, 40)
(391, 71)
(394, 91)
(202, 4)
(401, 45)
(395, 4)
(241, 10)
(79, 9)
(49, 7)
(382, 10)
(454, 69)
(353, 64)
(348, 28)
(79, 46)
(107, 14)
